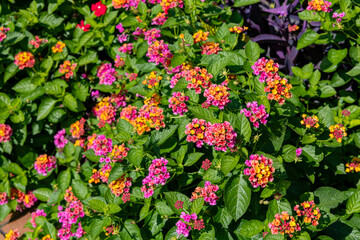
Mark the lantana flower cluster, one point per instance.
(158, 174)
(12, 235)
(210, 48)
(24, 200)
(277, 87)
(177, 103)
(260, 170)
(58, 48)
(37, 213)
(69, 216)
(353, 166)
(200, 36)
(24, 60)
(216, 95)
(284, 224)
(152, 80)
(3, 198)
(60, 139)
(309, 212)
(3, 31)
(310, 121)
(220, 135)
(77, 128)
(102, 145)
(107, 74)
(5, 132)
(145, 119)
(38, 41)
(338, 132)
(121, 186)
(255, 113)
(67, 68)
(102, 174)
(238, 29)
(188, 222)
(319, 6)
(105, 112)
(44, 164)
(207, 192)
(119, 153)
(159, 52)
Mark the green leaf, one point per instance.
(125, 130)
(70, 102)
(50, 20)
(313, 153)
(90, 57)
(309, 16)
(308, 38)
(79, 189)
(172, 197)
(144, 212)
(297, 72)
(203, 113)
(326, 117)
(50, 229)
(277, 206)
(353, 72)
(96, 203)
(112, 208)
(24, 86)
(223, 217)
(336, 56)
(237, 196)
(288, 153)
(353, 203)
(192, 158)
(43, 194)
(12, 167)
(177, 60)
(135, 156)
(197, 205)
(56, 115)
(64, 179)
(10, 71)
(327, 91)
(216, 66)
(84, 39)
(5, 210)
(116, 172)
(252, 51)
(80, 91)
(242, 3)
(307, 71)
(251, 228)
(109, 17)
(222, 32)
(329, 197)
(163, 209)
(69, 149)
(228, 163)
(46, 65)
(53, 5)
(160, 137)
(130, 231)
(13, 38)
(97, 226)
(245, 128)
(315, 78)
(154, 222)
